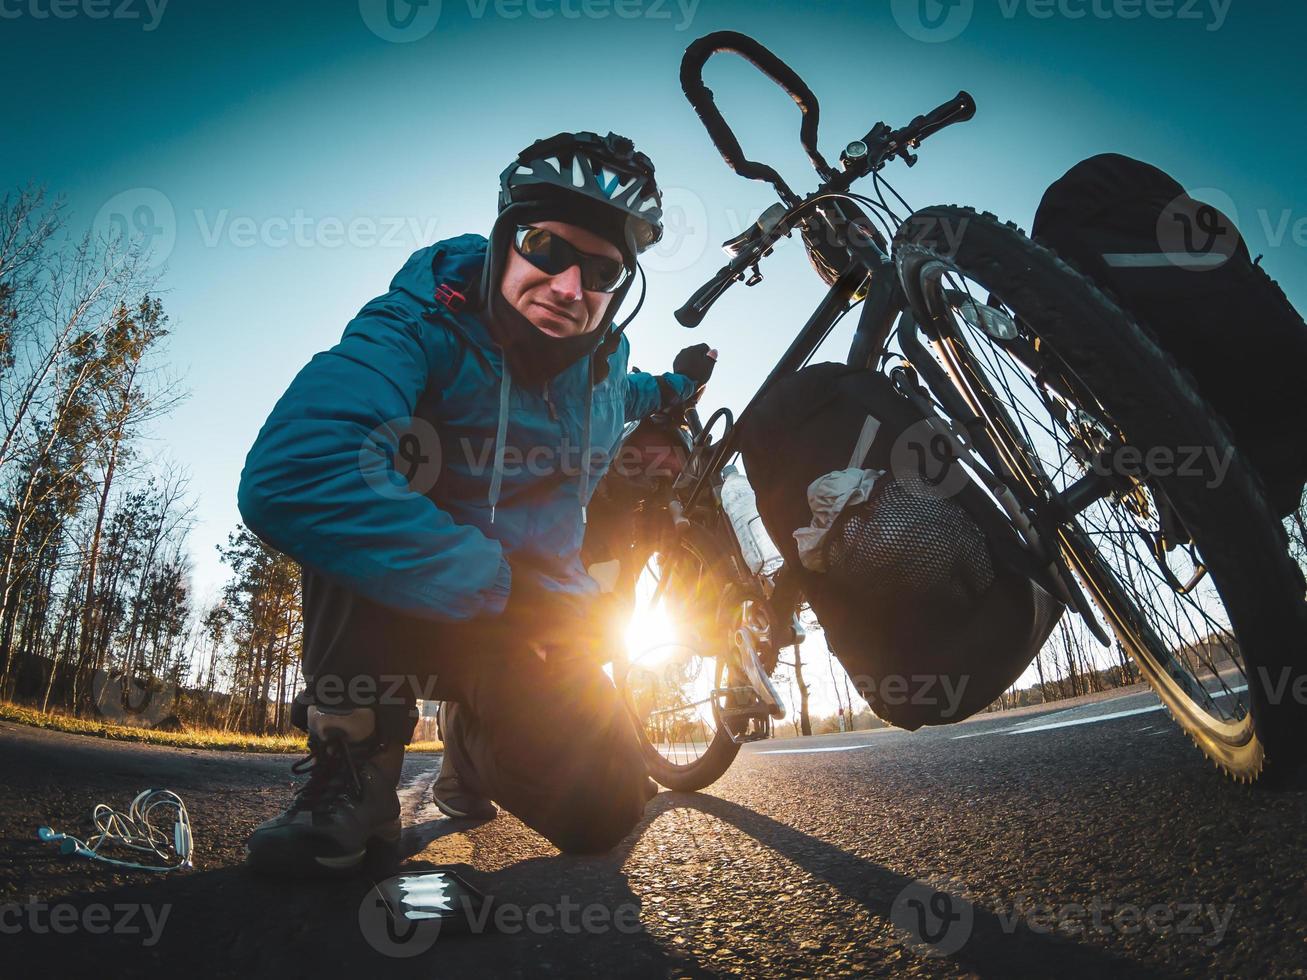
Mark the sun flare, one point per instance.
(650, 635)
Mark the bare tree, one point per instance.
(805, 720)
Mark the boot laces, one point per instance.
(333, 767)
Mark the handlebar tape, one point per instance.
(701, 98)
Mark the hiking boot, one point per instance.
(349, 802)
(452, 797)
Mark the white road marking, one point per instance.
(1089, 720)
(1021, 729)
(828, 748)
(1082, 721)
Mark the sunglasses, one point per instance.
(552, 254)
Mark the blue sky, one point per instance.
(293, 156)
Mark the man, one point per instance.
(430, 475)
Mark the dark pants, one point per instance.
(549, 741)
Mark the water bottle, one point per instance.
(760, 553)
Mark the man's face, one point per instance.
(557, 305)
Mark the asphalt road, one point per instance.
(1088, 841)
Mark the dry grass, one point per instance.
(191, 739)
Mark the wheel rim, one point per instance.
(669, 682)
(1185, 646)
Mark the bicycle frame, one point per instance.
(869, 277)
(883, 305)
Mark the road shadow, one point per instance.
(988, 944)
(228, 921)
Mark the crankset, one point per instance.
(746, 642)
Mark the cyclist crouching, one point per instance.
(419, 473)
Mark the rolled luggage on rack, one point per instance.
(1180, 265)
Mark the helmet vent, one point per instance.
(607, 171)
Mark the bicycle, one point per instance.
(1034, 377)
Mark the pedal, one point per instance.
(743, 723)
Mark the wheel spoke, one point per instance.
(1191, 638)
(669, 686)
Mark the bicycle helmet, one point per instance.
(602, 184)
(602, 179)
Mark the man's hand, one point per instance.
(696, 363)
(559, 624)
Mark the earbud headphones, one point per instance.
(133, 830)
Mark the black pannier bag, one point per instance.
(922, 588)
(1180, 266)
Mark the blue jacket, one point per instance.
(321, 483)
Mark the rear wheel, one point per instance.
(1182, 556)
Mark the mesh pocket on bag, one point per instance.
(911, 547)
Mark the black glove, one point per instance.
(696, 363)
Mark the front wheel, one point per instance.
(1179, 550)
(679, 679)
